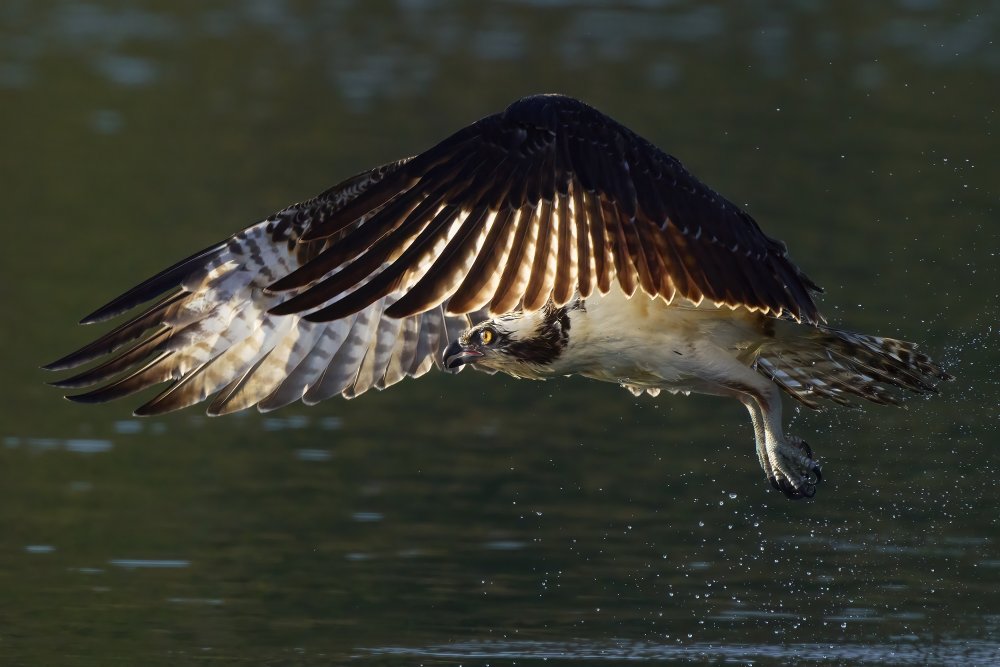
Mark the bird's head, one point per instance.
(519, 344)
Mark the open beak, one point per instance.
(456, 355)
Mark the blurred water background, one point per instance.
(478, 520)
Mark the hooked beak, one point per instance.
(456, 355)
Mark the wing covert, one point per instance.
(544, 200)
(366, 283)
(212, 333)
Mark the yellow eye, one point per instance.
(486, 336)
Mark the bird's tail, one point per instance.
(821, 362)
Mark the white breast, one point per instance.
(648, 343)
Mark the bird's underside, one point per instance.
(650, 346)
(570, 242)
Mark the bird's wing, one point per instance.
(212, 332)
(546, 199)
(368, 282)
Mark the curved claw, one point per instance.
(793, 471)
(806, 490)
(806, 449)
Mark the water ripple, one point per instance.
(142, 563)
(956, 652)
(76, 445)
(39, 548)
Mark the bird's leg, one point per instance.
(787, 460)
(760, 437)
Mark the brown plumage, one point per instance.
(546, 171)
(547, 201)
(594, 252)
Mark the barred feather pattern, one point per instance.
(821, 362)
(546, 200)
(214, 332)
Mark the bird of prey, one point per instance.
(542, 241)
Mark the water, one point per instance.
(483, 520)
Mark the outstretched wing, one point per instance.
(544, 200)
(213, 333)
(368, 282)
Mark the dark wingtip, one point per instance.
(167, 279)
(61, 364)
(62, 384)
(86, 398)
(76, 358)
(147, 410)
(335, 311)
(105, 312)
(287, 282)
(125, 302)
(287, 307)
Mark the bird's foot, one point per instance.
(791, 468)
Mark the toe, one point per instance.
(801, 491)
(791, 468)
(804, 489)
(807, 490)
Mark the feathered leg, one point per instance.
(787, 460)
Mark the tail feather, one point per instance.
(822, 362)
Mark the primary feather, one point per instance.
(589, 250)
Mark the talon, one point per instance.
(805, 446)
(790, 467)
(806, 489)
(804, 493)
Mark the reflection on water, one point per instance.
(474, 519)
(78, 445)
(301, 421)
(39, 548)
(416, 42)
(137, 563)
(948, 653)
(315, 455)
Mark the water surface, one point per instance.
(483, 520)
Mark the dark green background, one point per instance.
(470, 519)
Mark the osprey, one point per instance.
(542, 241)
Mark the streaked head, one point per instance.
(518, 344)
